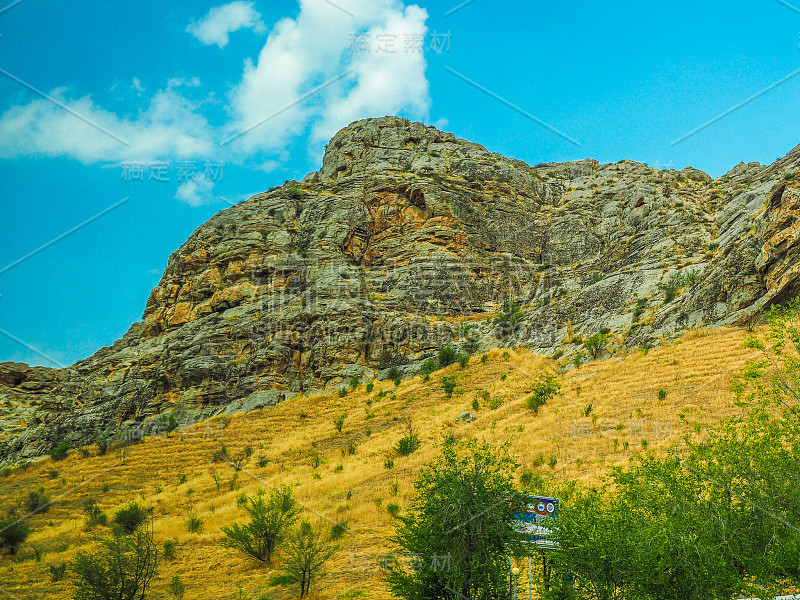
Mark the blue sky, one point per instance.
(93, 95)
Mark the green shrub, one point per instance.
(176, 587)
(484, 359)
(60, 451)
(57, 572)
(13, 533)
(194, 524)
(449, 385)
(596, 343)
(338, 530)
(130, 517)
(428, 367)
(393, 509)
(475, 404)
(408, 443)
(505, 355)
(123, 569)
(463, 359)
(662, 394)
(495, 403)
(269, 520)
(37, 502)
(447, 356)
(370, 387)
(388, 463)
(95, 515)
(342, 392)
(354, 382)
(169, 549)
(542, 392)
(396, 382)
(338, 422)
(393, 373)
(294, 192)
(641, 304)
(588, 410)
(552, 461)
(509, 318)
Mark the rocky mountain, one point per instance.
(408, 239)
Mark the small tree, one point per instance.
(447, 356)
(461, 515)
(508, 318)
(449, 385)
(269, 520)
(130, 517)
(596, 343)
(122, 569)
(542, 392)
(305, 555)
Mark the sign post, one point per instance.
(532, 520)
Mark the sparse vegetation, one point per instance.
(449, 385)
(122, 569)
(269, 521)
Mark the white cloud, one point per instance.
(282, 92)
(171, 126)
(312, 49)
(222, 20)
(195, 192)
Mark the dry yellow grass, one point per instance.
(695, 372)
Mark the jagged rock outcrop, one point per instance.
(402, 239)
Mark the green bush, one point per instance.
(542, 392)
(269, 520)
(463, 359)
(388, 463)
(662, 394)
(123, 569)
(449, 385)
(37, 502)
(396, 382)
(447, 356)
(393, 509)
(354, 382)
(294, 192)
(484, 359)
(194, 524)
(169, 549)
(393, 373)
(475, 404)
(338, 422)
(596, 343)
(57, 572)
(428, 367)
(370, 387)
(129, 518)
(407, 444)
(60, 451)
(13, 533)
(509, 318)
(176, 587)
(95, 515)
(338, 530)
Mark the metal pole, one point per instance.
(530, 585)
(510, 570)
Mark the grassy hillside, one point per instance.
(559, 442)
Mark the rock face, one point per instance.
(408, 239)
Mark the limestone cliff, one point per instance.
(404, 236)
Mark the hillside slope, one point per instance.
(404, 233)
(695, 371)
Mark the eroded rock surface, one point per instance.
(403, 237)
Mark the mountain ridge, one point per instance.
(404, 238)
